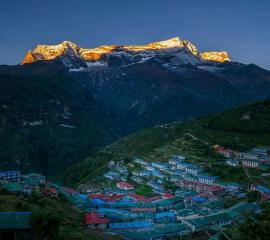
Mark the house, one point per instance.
(206, 179)
(250, 163)
(50, 192)
(157, 232)
(141, 162)
(198, 199)
(165, 217)
(88, 188)
(156, 187)
(181, 165)
(34, 179)
(248, 156)
(145, 173)
(197, 224)
(233, 187)
(150, 168)
(125, 185)
(10, 176)
(260, 151)
(131, 225)
(13, 187)
(95, 221)
(143, 209)
(137, 179)
(225, 152)
(167, 196)
(192, 169)
(160, 166)
(164, 204)
(16, 225)
(220, 219)
(264, 191)
(199, 187)
(232, 162)
(157, 174)
(176, 159)
(111, 175)
(70, 191)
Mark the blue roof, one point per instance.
(135, 224)
(98, 201)
(121, 204)
(9, 172)
(208, 177)
(165, 214)
(112, 210)
(199, 199)
(263, 189)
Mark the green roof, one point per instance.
(199, 222)
(12, 187)
(238, 209)
(165, 230)
(15, 220)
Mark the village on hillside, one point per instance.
(144, 200)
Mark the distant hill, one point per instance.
(193, 139)
(48, 120)
(253, 118)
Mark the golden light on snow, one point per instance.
(49, 52)
(215, 56)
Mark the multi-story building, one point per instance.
(250, 163)
(11, 176)
(206, 179)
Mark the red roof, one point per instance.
(94, 218)
(70, 190)
(168, 195)
(97, 196)
(113, 197)
(152, 199)
(137, 197)
(51, 190)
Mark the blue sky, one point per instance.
(240, 27)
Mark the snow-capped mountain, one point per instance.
(183, 51)
(156, 83)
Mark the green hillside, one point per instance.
(53, 218)
(194, 139)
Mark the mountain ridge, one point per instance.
(50, 52)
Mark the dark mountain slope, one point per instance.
(48, 120)
(148, 93)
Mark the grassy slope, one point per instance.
(71, 226)
(193, 139)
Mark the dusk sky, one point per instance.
(240, 27)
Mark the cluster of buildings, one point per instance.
(16, 182)
(195, 203)
(257, 158)
(180, 197)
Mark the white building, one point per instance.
(250, 163)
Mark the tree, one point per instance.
(47, 224)
(256, 227)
